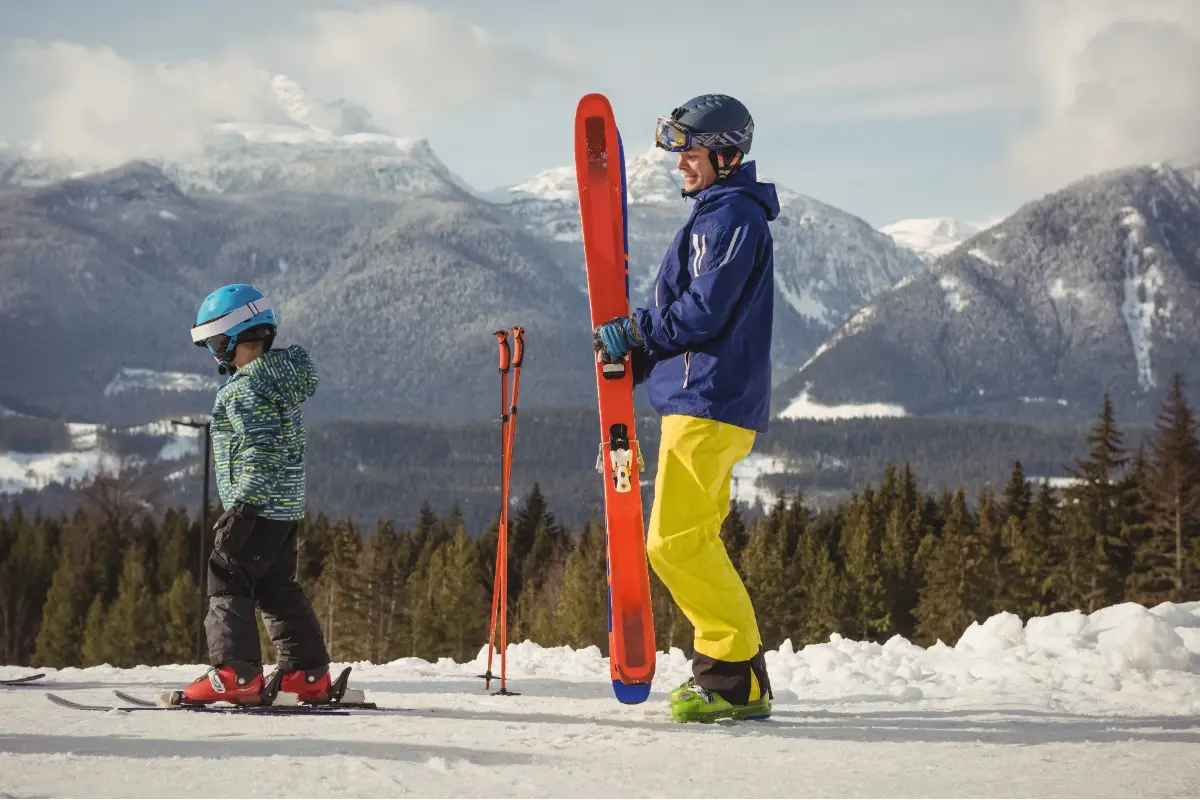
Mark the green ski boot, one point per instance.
(687, 685)
(691, 703)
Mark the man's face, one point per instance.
(697, 169)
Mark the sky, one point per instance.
(887, 110)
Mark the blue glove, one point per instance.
(615, 338)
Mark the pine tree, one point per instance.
(953, 596)
(770, 578)
(534, 538)
(1001, 576)
(95, 644)
(582, 610)
(1169, 490)
(1018, 494)
(181, 617)
(173, 547)
(381, 576)
(822, 608)
(26, 571)
(315, 543)
(459, 601)
(902, 580)
(60, 636)
(132, 627)
(1095, 556)
(867, 595)
(340, 597)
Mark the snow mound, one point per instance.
(1126, 658)
(1121, 655)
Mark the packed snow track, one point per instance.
(1067, 705)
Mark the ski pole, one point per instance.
(518, 358)
(501, 559)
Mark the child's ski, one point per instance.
(600, 173)
(227, 709)
(22, 680)
(144, 702)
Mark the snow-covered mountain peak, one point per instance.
(337, 117)
(650, 178)
(653, 177)
(556, 184)
(930, 237)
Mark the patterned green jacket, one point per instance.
(258, 433)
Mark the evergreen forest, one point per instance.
(116, 580)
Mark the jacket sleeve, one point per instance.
(255, 420)
(723, 255)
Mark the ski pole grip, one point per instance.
(505, 354)
(518, 346)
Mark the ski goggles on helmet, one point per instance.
(218, 344)
(674, 137)
(212, 334)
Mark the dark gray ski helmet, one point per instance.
(719, 122)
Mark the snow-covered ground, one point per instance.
(1067, 705)
(20, 471)
(804, 407)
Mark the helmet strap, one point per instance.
(725, 161)
(225, 360)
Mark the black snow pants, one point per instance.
(262, 572)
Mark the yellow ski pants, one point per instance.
(691, 500)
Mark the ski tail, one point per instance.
(24, 679)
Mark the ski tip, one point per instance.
(631, 693)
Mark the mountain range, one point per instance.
(387, 265)
(1094, 288)
(394, 272)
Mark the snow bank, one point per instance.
(1125, 654)
(1124, 658)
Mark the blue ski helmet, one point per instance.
(716, 121)
(233, 313)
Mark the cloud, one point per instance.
(903, 62)
(405, 63)
(408, 63)
(1118, 85)
(922, 103)
(91, 104)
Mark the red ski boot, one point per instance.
(309, 685)
(315, 687)
(237, 682)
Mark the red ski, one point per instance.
(600, 172)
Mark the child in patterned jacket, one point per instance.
(258, 441)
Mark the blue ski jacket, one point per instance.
(707, 331)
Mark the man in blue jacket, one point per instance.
(703, 350)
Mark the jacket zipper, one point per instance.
(687, 367)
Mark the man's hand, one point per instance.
(234, 527)
(615, 338)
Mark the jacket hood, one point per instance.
(744, 181)
(288, 377)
